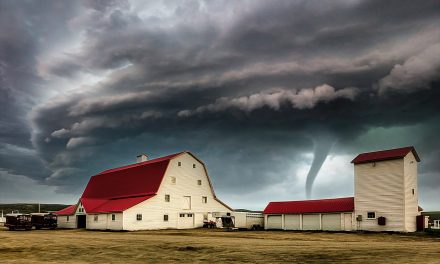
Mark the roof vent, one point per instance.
(141, 158)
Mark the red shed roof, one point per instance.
(69, 210)
(385, 155)
(311, 206)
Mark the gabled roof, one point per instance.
(138, 179)
(311, 206)
(385, 155)
(69, 210)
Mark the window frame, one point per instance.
(113, 217)
(179, 164)
(167, 198)
(138, 217)
(173, 180)
(194, 165)
(199, 182)
(68, 218)
(371, 212)
(95, 218)
(205, 199)
(166, 218)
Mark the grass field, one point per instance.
(214, 246)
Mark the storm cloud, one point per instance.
(251, 87)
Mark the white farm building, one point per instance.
(169, 192)
(385, 198)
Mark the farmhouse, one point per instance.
(385, 198)
(169, 192)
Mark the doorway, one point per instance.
(81, 221)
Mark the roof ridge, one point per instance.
(326, 199)
(133, 165)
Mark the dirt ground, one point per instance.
(214, 246)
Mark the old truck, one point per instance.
(16, 221)
(239, 220)
(44, 220)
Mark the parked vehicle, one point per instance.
(240, 220)
(44, 220)
(18, 221)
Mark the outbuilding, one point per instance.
(327, 214)
(385, 198)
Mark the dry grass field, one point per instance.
(214, 246)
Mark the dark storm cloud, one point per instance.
(249, 86)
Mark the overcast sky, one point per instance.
(256, 89)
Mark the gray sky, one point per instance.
(253, 88)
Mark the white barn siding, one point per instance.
(379, 188)
(186, 177)
(411, 199)
(104, 222)
(63, 223)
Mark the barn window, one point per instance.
(413, 191)
(139, 217)
(194, 166)
(182, 215)
(167, 198)
(67, 219)
(179, 163)
(165, 218)
(173, 180)
(190, 215)
(204, 199)
(113, 217)
(371, 215)
(95, 218)
(199, 182)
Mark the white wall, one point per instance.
(63, 223)
(104, 221)
(379, 187)
(411, 200)
(153, 209)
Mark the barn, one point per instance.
(385, 198)
(168, 192)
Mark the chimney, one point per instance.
(141, 158)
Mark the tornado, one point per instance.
(322, 147)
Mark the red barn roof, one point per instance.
(385, 155)
(118, 189)
(311, 206)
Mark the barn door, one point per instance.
(348, 225)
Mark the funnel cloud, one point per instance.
(322, 147)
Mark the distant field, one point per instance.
(30, 208)
(214, 246)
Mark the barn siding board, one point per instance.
(411, 200)
(379, 188)
(63, 223)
